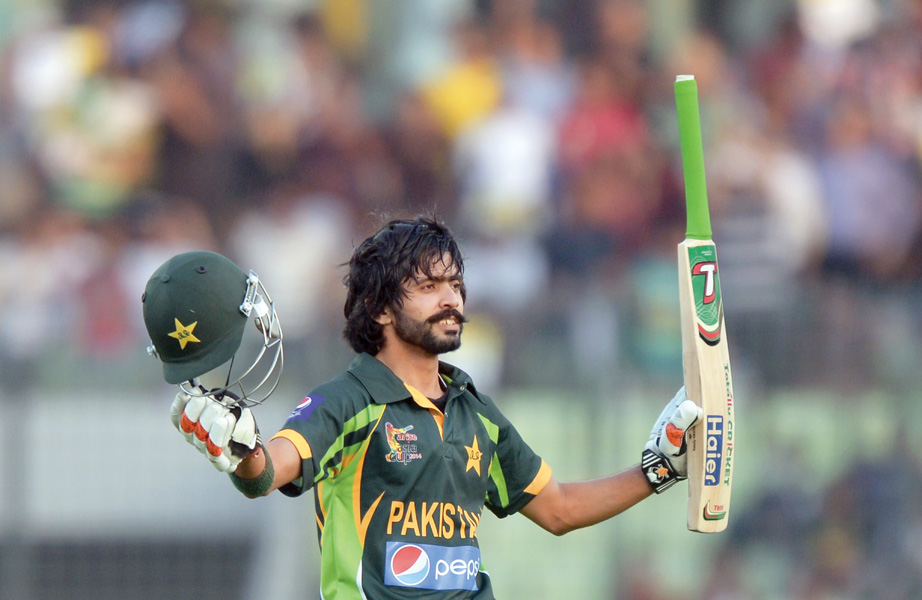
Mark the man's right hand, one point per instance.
(225, 435)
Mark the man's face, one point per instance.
(431, 317)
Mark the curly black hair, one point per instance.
(380, 266)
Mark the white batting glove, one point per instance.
(664, 459)
(225, 435)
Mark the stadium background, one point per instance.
(280, 132)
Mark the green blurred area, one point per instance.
(799, 450)
(794, 443)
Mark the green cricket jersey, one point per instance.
(400, 486)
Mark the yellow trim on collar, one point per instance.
(426, 403)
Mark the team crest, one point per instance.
(184, 334)
(473, 456)
(401, 443)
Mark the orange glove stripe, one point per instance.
(186, 424)
(675, 435)
(213, 449)
(200, 432)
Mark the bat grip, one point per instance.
(696, 201)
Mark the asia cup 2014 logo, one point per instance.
(706, 289)
(399, 441)
(410, 565)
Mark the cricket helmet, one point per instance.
(196, 307)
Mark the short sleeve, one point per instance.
(516, 473)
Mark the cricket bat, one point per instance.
(705, 358)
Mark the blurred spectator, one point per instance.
(872, 197)
(612, 177)
(288, 77)
(291, 241)
(92, 129)
(44, 265)
(504, 164)
(469, 88)
(195, 82)
(536, 73)
(837, 24)
(422, 154)
(623, 45)
(601, 121)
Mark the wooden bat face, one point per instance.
(708, 381)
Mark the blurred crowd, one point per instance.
(281, 133)
(855, 538)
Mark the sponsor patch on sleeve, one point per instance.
(303, 411)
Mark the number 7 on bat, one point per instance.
(705, 357)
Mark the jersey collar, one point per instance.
(385, 387)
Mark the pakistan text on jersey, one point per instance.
(432, 519)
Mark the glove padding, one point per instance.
(224, 434)
(667, 442)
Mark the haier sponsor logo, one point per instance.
(432, 567)
(713, 449)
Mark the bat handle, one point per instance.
(696, 199)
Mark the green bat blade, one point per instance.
(698, 221)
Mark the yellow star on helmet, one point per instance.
(473, 457)
(183, 333)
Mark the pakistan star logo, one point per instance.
(473, 456)
(183, 333)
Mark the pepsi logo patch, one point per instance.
(432, 567)
(303, 411)
(409, 565)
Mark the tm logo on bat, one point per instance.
(715, 512)
(706, 289)
(713, 449)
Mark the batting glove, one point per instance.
(664, 460)
(224, 434)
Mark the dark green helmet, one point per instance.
(196, 306)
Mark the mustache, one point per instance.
(447, 314)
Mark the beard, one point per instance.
(422, 335)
